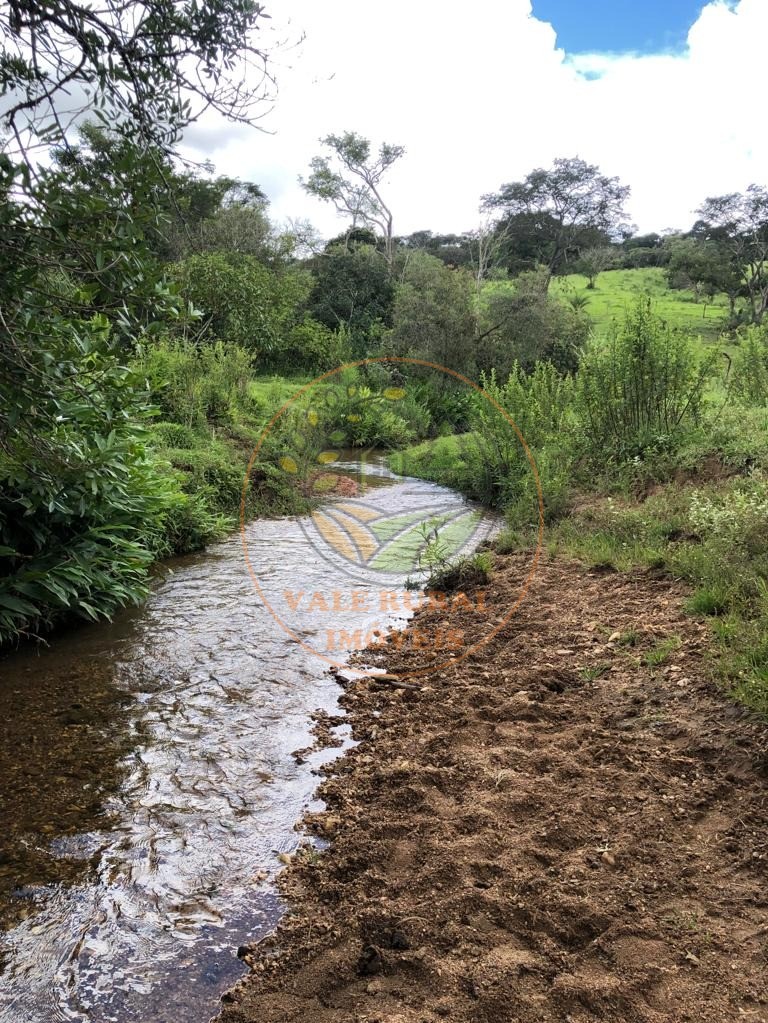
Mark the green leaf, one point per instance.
(16, 604)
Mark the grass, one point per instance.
(616, 290)
(700, 516)
(270, 393)
(661, 652)
(594, 672)
(443, 460)
(728, 572)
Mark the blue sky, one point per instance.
(619, 26)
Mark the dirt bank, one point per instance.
(572, 825)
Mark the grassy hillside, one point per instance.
(617, 289)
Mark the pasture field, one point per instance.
(617, 290)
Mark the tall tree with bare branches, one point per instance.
(351, 178)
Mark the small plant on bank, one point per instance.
(434, 555)
(661, 652)
(711, 600)
(594, 672)
(475, 570)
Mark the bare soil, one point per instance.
(558, 828)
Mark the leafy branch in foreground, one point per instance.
(82, 287)
(148, 66)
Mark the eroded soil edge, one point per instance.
(568, 826)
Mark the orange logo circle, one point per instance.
(367, 539)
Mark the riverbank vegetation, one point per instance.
(653, 454)
(155, 319)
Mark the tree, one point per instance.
(143, 69)
(486, 245)
(353, 291)
(526, 325)
(738, 225)
(699, 265)
(81, 500)
(594, 260)
(646, 250)
(434, 317)
(147, 68)
(453, 249)
(213, 215)
(191, 213)
(355, 189)
(244, 230)
(240, 300)
(566, 208)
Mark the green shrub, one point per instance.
(529, 325)
(750, 370)
(313, 347)
(240, 301)
(173, 435)
(640, 392)
(210, 469)
(709, 600)
(473, 570)
(80, 501)
(190, 526)
(357, 414)
(196, 384)
(539, 403)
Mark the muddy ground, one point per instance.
(571, 825)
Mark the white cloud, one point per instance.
(480, 95)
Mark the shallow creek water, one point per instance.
(147, 782)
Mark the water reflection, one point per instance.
(147, 783)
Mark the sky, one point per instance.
(620, 26)
(665, 94)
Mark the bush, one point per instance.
(190, 525)
(490, 464)
(433, 318)
(738, 516)
(194, 385)
(353, 289)
(173, 435)
(81, 501)
(750, 371)
(539, 403)
(642, 391)
(240, 301)
(312, 347)
(529, 325)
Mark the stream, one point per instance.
(146, 777)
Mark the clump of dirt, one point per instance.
(331, 484)
(324, 735)
(570, 825)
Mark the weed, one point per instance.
(594, 672)
(629, 638)
(661, 652)
(709, 600)
(474, 570)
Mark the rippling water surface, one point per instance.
(147, 782)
